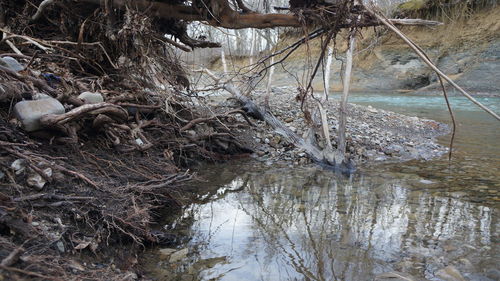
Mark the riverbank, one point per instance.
(372, 134)
(416, 220)
(467, 50)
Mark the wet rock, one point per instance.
(11, 63)
(450, 273)
(493, 274)
(89, 97)
(179, 255)
(166, 252)
(30, 112)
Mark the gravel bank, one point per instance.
(372, 134)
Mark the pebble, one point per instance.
(18, 166)
(36, 181)
(60, 246)
(372, 134)
(424, 181)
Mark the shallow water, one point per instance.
(257, 221)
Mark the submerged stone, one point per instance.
(179, 255)
(30, 112)
(166, 252)
(450, 273)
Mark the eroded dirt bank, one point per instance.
(468, 50)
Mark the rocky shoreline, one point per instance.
(373, 135)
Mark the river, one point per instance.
(434, 220)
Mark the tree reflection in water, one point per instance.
(309, 224)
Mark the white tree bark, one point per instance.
(252, 46)
(341, 146)
(269, 82)
(328, 69)
(223, 60)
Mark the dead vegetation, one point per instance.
(95, 175)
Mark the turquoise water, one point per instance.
(478, 133)
(423, 105)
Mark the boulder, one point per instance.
(11, 63)
(29, 112)
(89, 97)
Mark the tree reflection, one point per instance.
(308, 224)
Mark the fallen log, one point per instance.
(314, 152)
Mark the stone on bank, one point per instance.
(89, 97)
(30, 112)
(11, 63)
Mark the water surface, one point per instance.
(257, 221)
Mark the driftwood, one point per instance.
(313, 151)
(341, 147)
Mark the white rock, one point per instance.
(11, 63)
(371, 109)
(29, 112)
(424, 181)
(18, 166)
(36, 180)
(89, 97)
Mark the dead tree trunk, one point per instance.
(223, 60)
(340, 155)
(311, 149)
